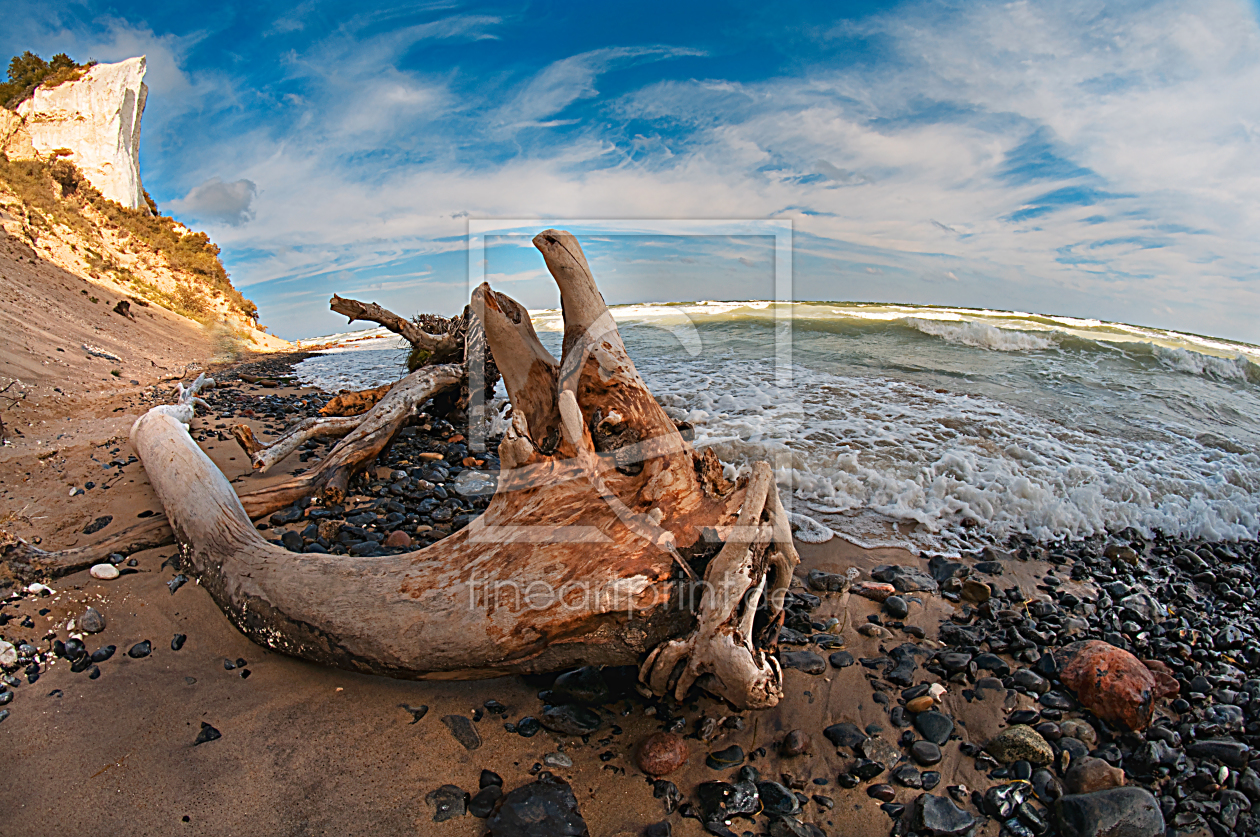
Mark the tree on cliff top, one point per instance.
(28, 71)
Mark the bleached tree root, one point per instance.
(262, 457)
(582, 556)
(29, 563)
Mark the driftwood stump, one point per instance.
(608, 540)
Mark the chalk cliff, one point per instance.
(96, 119)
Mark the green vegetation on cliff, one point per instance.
(28, 71)
(54, 191)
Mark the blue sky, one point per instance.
(1083, 158)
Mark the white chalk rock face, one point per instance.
(96, 118)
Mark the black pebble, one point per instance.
(177, 641)
(228, 665)
(245, 673)
(208, 733)
(488, 778)
(100, 655)
(140, 649)
(94, 672)
(841, 659)
(482, 803)
(726, 758)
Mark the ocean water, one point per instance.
(893, 424)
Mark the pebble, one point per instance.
(882, 792)
(1090, 774)
(841, 659)
(844, 735)
(140, 649)
(557, 760)
(897, 607)
(1080, 730)
(397, 539)
(177, 641)
(920, 704)
(462, 730)
(483, 801)
(940, 817)
(662, 753)
(905, 579)
(582, 685)
(91, 621)
(934, 726)
(105, 572)
(1127, 811)
(975, 591)
(544, 807)
(208, 733)
(1020, 742)
(795, 743)
(726, 758)
(925, 753)
(806, 661)
(881, 752)
(571, 720)
(448, 802)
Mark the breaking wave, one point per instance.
(982, 335)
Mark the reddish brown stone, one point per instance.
(795, 743)
(874, 590)
(662, 753)
(1110, 681)
(397, 538)
(1166, 684)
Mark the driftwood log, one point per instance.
(585, 555)
(608, 540)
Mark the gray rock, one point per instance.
(1116, 812)
(91, 622)
(545, 808)
(844, 735)
(571, 720)
(557, 760)
(1224, 750)
(806, 661)
(463, 731)
(881, 752)
(905, 579)
(934, 726)
(448, 802)
(938, 816)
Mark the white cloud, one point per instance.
(214, 200)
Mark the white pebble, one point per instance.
(937, 691)
(104, 571)
(8, 654)
(39, 589)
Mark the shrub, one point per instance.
(28, 71)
